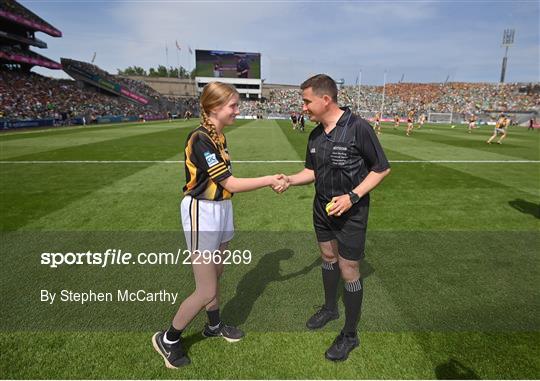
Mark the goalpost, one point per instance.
(440, 117)
(367, 115)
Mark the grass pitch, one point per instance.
(452, 266)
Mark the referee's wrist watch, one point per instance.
(354, 197)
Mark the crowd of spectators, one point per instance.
(87, 67)
(458, 98)
(139, 87)
(179, 106)
(280, 102)
(133, 85)
(31, 96)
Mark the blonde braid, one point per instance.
(211, 128)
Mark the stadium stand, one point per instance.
(13, 12)
(32, 96)
(459, 98)
(17, 33)
(96, 94)
(94, 76)
(5, 37)
(15, 54)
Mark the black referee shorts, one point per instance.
(349, 229)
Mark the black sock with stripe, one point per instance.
(330, 276)
(352, 298)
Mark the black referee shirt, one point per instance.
(343, 158)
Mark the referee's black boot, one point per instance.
(322, 317)
(341, 347)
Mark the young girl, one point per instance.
(207, 218)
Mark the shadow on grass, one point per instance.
(254, 283)
(366, 269)
(454, 370)
(526, 207)
(192, 339)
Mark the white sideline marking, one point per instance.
(249, 161)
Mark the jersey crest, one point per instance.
(211, 159)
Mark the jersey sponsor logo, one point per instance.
(339, 148)
(211, 159)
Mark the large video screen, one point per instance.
(223, 64)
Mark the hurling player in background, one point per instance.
(472, 123)
(501, 127)
(396, 121)
(377, 127)
(421, 120)
(410, 121)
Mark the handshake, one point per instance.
(280, 183)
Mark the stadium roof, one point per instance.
(13, 54)
(17, 13)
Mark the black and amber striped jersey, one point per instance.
(410, 116)
(206, 164)
(503, 122)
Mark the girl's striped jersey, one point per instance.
(206, 164)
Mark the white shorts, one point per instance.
(206, 224)
(499, 130)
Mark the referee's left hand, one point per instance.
(341, 205)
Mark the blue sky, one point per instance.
(423, 40)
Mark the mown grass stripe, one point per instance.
(259, 161)
(285, 356)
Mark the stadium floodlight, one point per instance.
(508, 40)
(508, 37)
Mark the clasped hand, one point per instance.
(280, 183)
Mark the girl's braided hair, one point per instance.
(215, 94)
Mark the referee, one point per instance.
(346, 161)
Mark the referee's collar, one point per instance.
(344, 119)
